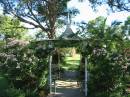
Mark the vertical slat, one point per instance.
(86, 77)
(50, 75)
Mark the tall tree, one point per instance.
(127, 26)
(41, 14)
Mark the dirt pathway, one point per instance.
(68, 89)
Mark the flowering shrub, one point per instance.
(24, 66)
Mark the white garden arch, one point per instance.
(69, 39)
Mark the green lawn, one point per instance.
(71, 63)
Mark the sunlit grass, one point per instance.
(72, 62)
(75, 57)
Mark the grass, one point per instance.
(71, 62)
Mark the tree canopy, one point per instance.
(115, 5)
(44, 14)
(11, 27)
(41, 14)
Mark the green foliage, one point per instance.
(11, 27)
(105, 59)
(126, 26)
(25, 70)
(12, 92)
(127, 44)
(115, 5)
(43, 14)
(3, 85)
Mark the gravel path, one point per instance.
(68, 89)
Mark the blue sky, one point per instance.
(87, 13)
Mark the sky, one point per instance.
(87, 13)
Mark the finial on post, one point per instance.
(68, 20)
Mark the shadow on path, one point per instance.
(68, 89)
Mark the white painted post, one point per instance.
(86, 90)
(55, 86)
(50, 75)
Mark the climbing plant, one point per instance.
(106, 59)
